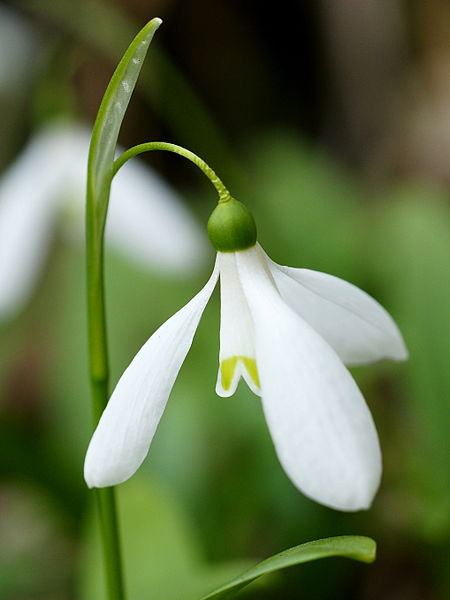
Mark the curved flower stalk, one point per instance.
(287, 332)
(146, 220)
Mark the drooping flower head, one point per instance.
(287, 332)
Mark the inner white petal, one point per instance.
(237, 352)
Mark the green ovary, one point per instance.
(228, 366)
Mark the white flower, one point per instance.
(287, 332)
(146, 220)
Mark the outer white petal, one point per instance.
(123, 436)
(28, 198)
(359, 329)
(236, 329)
(321, 427)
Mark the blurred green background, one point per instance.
(331, 121)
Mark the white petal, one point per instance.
(359, 329)
(28, 205)
(123, 436)
(237, 352)
(320, 424)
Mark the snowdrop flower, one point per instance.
(287, 332)
(146, 220)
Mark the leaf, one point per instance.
(349, 546)
(110, 117)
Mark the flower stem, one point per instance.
(99, 376)
(224, 194)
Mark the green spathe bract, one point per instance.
(231, 226)
(110, 116)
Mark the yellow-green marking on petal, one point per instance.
(228, 366)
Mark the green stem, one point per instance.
(99, 376)
(224, 194)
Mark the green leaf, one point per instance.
(349, 546)
(110, 117)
